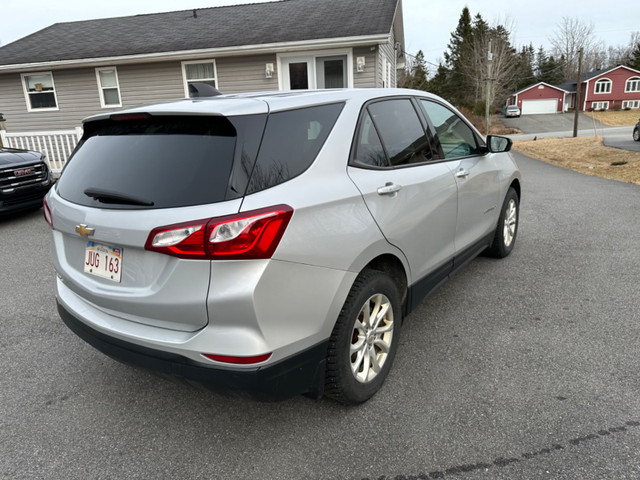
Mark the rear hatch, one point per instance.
(130, 175)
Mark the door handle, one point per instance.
(462, 173)
(390, 188)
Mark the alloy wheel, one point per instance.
(371, 338)
(510, 219)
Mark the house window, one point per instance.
(600, 105)
(199, 72)
(603, 86)
(632, 85)
(39, 91)
(630, 104)
(108, 87)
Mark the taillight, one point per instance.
(249, 235)
(47, 213)
(237, 360)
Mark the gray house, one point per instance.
(52, 79)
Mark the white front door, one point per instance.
(311, 72)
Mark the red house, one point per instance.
(600, 90)
(541, 98)
(603, 90)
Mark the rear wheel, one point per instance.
(636, 135)
(507, 228)
(364, 340)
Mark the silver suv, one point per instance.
(273, 242)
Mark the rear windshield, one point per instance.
(151, 162)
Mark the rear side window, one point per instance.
(369, 150)
(151, 162)
(291, 142)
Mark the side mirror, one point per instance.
(497, 144)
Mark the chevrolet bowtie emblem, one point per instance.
(85, 231)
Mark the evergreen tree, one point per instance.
(440, 81)
(526, 60)
(552, 71)
(458, 55)
(416, 76)
(462, 77)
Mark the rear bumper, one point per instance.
(301, 373)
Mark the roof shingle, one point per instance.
(238, 25)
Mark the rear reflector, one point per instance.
(249, 235)
(47, 213)
(237, 360)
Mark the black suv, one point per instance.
(25, 178)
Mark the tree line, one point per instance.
(461, 78)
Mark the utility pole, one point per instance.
(488, 93)
(577, 101)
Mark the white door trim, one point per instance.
(310, 57)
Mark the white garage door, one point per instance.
(532, 107)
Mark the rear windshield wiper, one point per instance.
(106, 196)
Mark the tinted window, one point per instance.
(401, 132)
(291, 142)
(455, 136)
(369, 149)
(163, 161)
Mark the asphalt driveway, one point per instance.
(522, 368)
(621, 137)
(561, 125)
(550, 123)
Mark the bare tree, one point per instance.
(505, 67)
(625, 54)
(572, 35)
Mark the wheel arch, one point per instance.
(393, 266)
(515, 184)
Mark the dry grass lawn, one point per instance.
(586, 155)
(623, 118)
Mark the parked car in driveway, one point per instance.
(636, 131)
(25, 179)
(273, 242)
(512, 111)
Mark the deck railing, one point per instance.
(56, 145)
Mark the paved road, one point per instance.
(561, 125)
(552, 123)
(621, 137)
(516, 369)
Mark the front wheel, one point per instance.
(364, 340)
(507, 229)
(636, 135)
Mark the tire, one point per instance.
(351, 376)
(636, 134)
(507, 229)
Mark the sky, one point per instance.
(428, 23)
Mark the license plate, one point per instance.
(103, 261)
